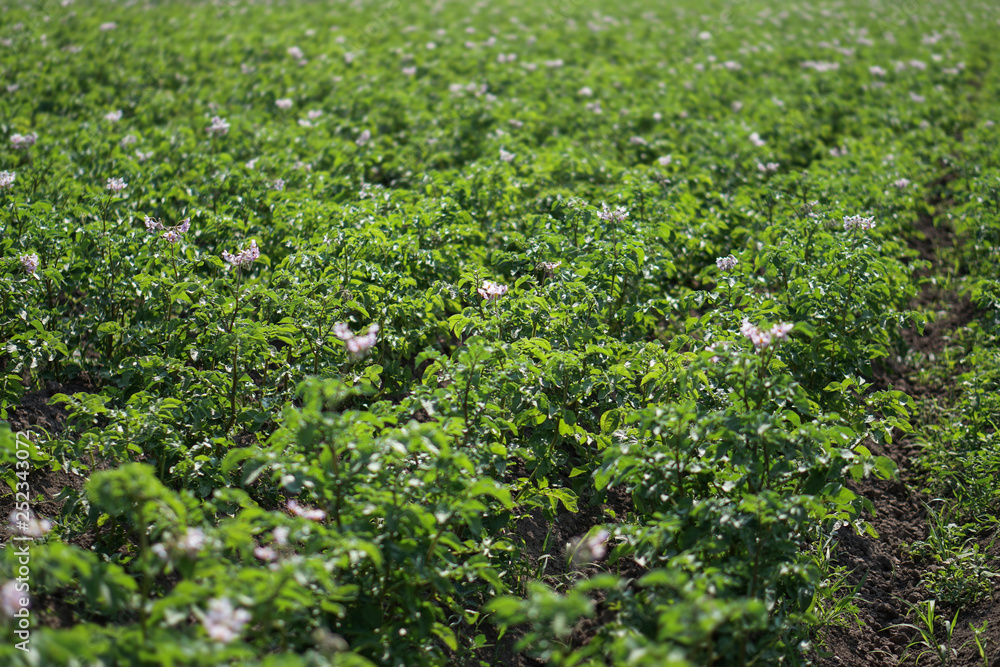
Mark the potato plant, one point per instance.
(431, 334)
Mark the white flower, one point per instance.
(875, 70)
(617, 215)
(23, 141)
(116, 184)
(901, 183)
(142, 157)
(491, 290)
(12, 600)
(756, 140)
(311, 514)
(726, 263)
(7, 179)
(104, 27)
(296, 52)
(314, 114)
(281, 535)
(284, 103)
(223, 622)
(219, 126)
(506, 157)
(244, 257)
(409, 71)
(127, 141)
(192, 542)
(363, 138)
(114, 116)
(665, 160)
(33, 526)
(585, 92)
(857, 222)
(767, 168)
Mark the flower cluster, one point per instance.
(113, 116)
(857, 222)
(6, 179)
(357, 345)
(244, 257)
(548, 268)
(171, 234)
(763, 339)
(901, 183)
(617, 215)
(29, 262)
(32, 527)
(506, 156)
(223, 622)
(726, 263)
(491, 290)
(219, 126)
(189, 544)
(716, 349)
(588, 549)
(305, 513)
(116, 184)
(13, 598)
(23, 141)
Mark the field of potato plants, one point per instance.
(499, 333)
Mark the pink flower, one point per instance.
(244, 257)
(357, 345)
(857, 222)
(491, 290)
(114, 116)
(763, 339)
(284, 104)
(30, 526)
(588, 549)
(116, 185)
(13, 599)
(265, 553)
(311, 514)
(23, 141)
(223, 622)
